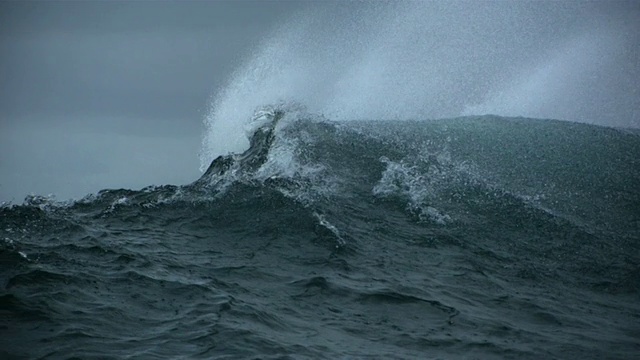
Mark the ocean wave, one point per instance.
(341, 239)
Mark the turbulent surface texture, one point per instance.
(477, 237)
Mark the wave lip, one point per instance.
(260, 140)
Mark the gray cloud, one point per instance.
(160, 59)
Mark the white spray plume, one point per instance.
(402, 60)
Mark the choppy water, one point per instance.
(477, 237)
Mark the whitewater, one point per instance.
(353, 205)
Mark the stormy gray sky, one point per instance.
(112, 94)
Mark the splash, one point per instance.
(417, 60)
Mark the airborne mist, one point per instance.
(570, 61)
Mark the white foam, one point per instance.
(408, 182)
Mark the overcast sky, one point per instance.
(112, 94)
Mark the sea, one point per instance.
(478, 237)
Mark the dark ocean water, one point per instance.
(474, 238)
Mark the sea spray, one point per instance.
(420, 60)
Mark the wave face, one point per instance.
(481, 237)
